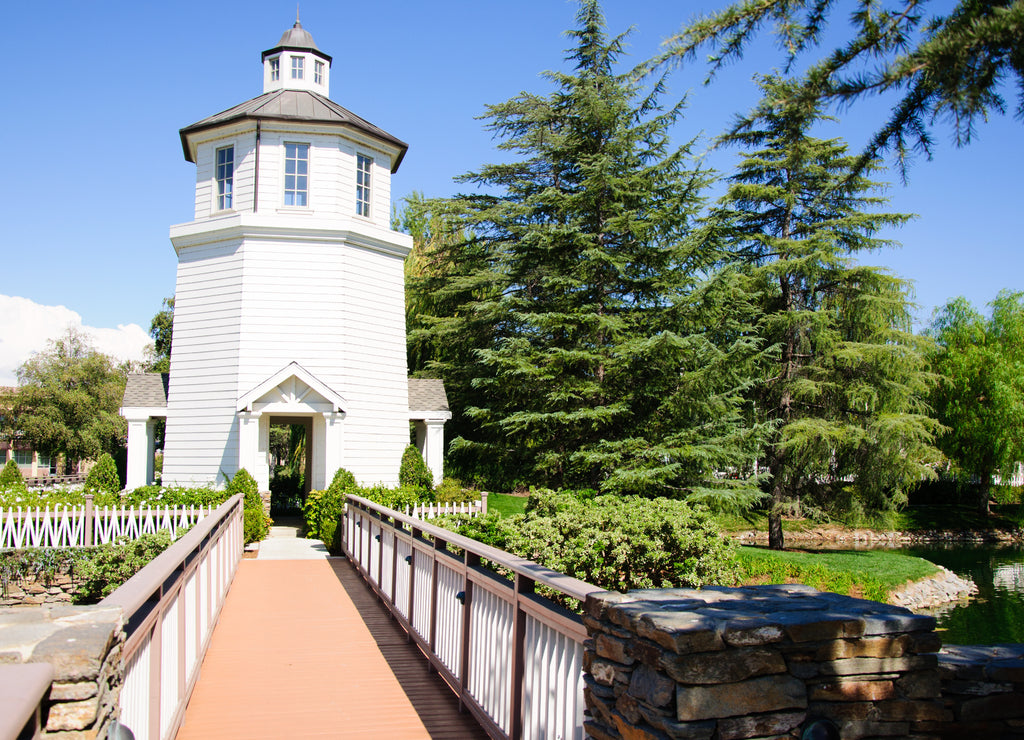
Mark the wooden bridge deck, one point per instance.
(303, 649)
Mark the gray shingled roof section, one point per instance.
(293, 105)
(145, 390)
(427, 394)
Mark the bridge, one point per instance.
(418, 632)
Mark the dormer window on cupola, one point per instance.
(297, 54)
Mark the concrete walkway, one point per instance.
(284, 543)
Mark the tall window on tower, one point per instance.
(296, 174)
(297, 67)
(225, 176)
(363, 166)
(275, 70)
(318, 73)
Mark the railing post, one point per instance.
(524, 585)
(87, 530)
(483, 503)
(472, 560)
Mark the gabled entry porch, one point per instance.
(293, 395)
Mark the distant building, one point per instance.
(14, 447)
(289, 304)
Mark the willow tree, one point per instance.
(846, 386)
(980, 396)
(588, 360)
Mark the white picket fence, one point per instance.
(82, 526)
(432, 511)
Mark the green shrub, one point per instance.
(395, 498)
(176, 496)
(102, 477)
(323, 509)
(451, 491)
(413, 472)
(256, 523)
(10, 478)
(614, 542)
(101, 570)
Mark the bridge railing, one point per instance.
(513, 657)
(170, 609)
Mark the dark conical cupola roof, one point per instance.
(297, 37)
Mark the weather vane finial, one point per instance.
(297, 23)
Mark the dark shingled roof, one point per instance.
(427, 394)
(150, 390)
(147, 390)
(293, 105)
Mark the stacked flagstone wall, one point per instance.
(83, 645)
(768, 661)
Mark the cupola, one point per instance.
(296, 64)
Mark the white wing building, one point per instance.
(289, 304)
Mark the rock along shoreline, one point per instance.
(945, 587)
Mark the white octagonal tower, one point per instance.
(289, 305)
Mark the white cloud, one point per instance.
(26, 327)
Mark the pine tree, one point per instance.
(845, 388)
(949, 68)
(586, 359)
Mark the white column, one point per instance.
(432, 447)
(329, 452)
(139, 444)
(262, 463)
(150, 452)
(248, 442)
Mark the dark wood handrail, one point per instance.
(140, 588)
(568, 585)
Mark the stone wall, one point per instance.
(766, 661)
(83, 645)
(983, 687)
(34, 591)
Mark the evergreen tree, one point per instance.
(980, 396)
(951, 67)
(846, 384)
(570, 295)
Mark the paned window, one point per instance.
(23, 457)
(363, 167)
(296, 174)
(225, 176)
(275, 69)
(318, 73)
(297, 65)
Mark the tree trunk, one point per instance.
(775, 536)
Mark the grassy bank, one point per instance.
(1006, 517)
(870, 574)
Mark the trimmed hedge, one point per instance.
(102, 477)
(256, 524)
(11, 479)
(413, 472)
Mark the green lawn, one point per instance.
(871, 574)
(506, 504)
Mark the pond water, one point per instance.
(996, 614)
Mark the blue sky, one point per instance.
(96, 94)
